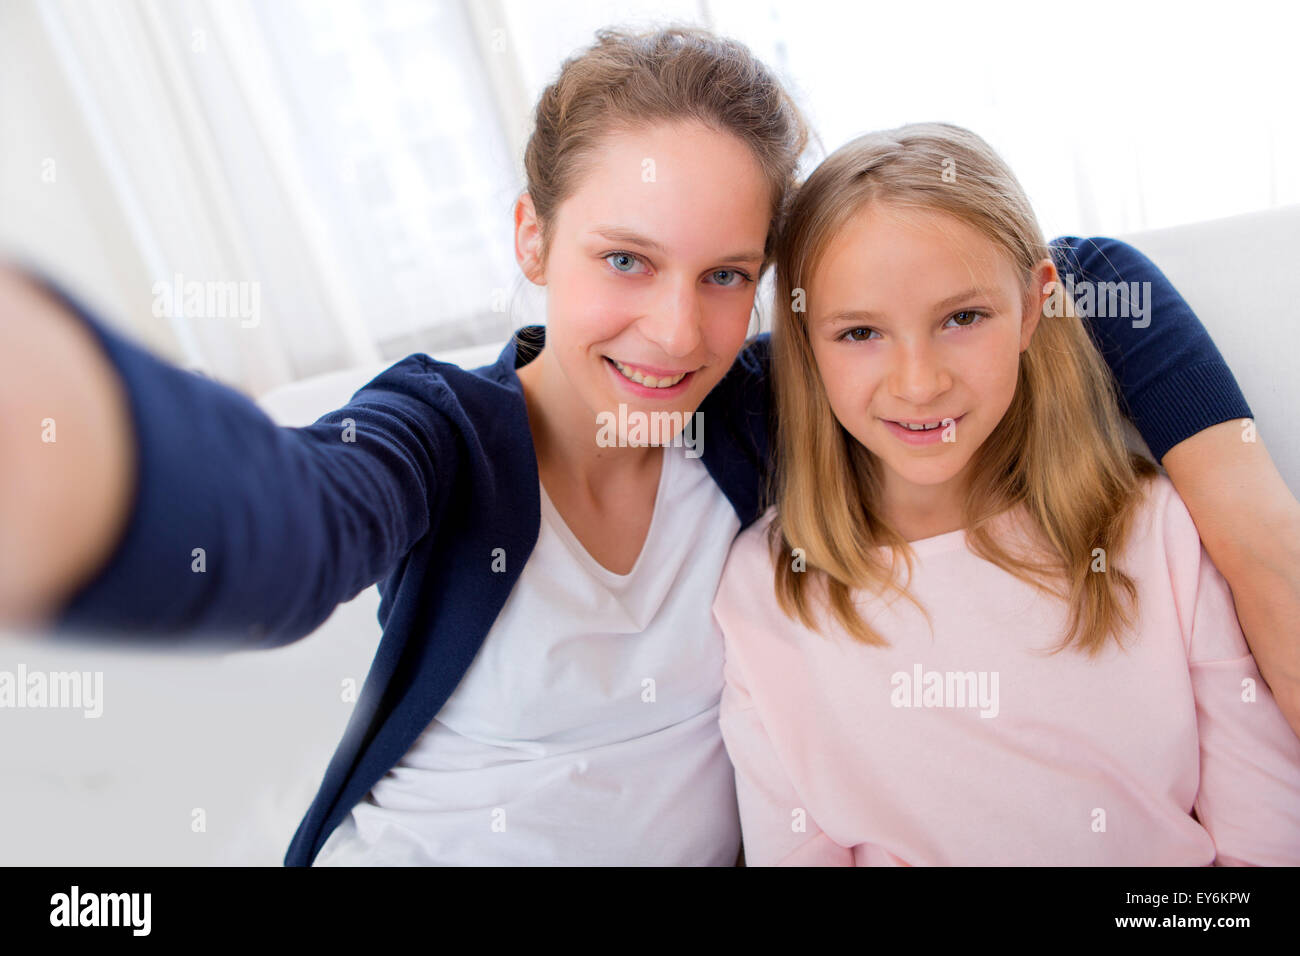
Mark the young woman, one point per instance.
(994, 636)
(555, 576)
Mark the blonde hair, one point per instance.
(626, 81)
(1059, 450)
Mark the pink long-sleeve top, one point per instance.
(977, 746)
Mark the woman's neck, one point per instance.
(564, 434)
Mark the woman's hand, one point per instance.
(1249, 523)
(66, 453)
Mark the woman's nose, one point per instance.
(675, 323)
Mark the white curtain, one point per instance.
(343, 166)
(354, 161)
(132, 73)
(1116, 116)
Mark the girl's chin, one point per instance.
(929, 480)
(921, 473)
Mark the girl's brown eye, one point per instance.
(972, 317)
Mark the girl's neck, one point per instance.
(923, 511)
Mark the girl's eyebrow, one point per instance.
(617, 234)
(971, 293)
(857, 315)
(863, 315)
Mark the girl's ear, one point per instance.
(1043, 284)
(528, 240)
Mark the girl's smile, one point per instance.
(916, 388)
(918, 325)
(923, 431)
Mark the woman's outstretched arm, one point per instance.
(1184, 400)
(170, 507)
(66, 452)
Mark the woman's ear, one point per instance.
(1043, 284)
(528, 240)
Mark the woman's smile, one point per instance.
(648, 382)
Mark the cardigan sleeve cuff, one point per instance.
(1186, 401)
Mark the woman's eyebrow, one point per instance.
(618, 234)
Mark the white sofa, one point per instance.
(246, 737)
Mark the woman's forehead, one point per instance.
(682, 186)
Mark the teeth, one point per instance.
(649, 381)
(921, 428)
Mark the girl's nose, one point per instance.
(917, 377)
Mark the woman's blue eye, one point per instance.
(733, 273)
(626, 262)
(974, 318)
(622, 261)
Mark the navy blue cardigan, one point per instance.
(442, 471)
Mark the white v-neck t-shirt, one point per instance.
(586, 730)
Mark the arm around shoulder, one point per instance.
(1248, 793)
(1190, 410)
(1249, 522)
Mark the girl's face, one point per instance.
(652, 268)
(916, 319)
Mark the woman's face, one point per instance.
(917, 320)
(651, 272)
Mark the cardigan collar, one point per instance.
(740, 402)
(525, 345)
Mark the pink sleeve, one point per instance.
(1249, 794)
(777, 829)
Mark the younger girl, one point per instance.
(1058, 676)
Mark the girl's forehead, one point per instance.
(883, 236)
(909, 253)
